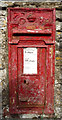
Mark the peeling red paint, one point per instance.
(31, 28)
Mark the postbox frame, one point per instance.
(47, 108)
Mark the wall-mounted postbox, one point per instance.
(31, 45)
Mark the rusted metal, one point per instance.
(31, 43)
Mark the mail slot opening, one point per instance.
(31, 34)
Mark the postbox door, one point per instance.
(31, 76)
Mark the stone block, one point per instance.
(60, 45)
(2, 4)
(57, 72)
(57, 45)
(61, 15)
(57, 53)
(57, 14)
(58, 25)
(58, 34)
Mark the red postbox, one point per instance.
(31, 45)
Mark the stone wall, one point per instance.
(4, 81)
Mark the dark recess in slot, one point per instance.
(37, 34)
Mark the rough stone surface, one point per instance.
(35, 0)
(4, 82)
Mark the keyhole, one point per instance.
(24, 81)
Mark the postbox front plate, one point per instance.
(31, 36)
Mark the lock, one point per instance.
(26, 82)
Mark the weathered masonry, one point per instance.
(4, 80)
(31, 41)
